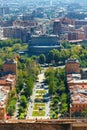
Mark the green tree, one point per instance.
(63, 97)
(1, 63)
(51, 83)
(50, 56)
(42, 59)
(64, 54)
(23, 101)
(20, 84)
(29, 86)
(11, 108)
(66, 45)
(21, 110)
(16, 47)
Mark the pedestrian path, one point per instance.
(39, 87)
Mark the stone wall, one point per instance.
(43, 126)
(33, 126)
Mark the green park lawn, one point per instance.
(39, 105)
(38, 96)
(41, 92)
(38, 113)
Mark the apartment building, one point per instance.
(57, 28)
(7, 83)
(16, 33)
(77, 86)
(75, 29)
(10, 66)
(72, 66)
(78, 93)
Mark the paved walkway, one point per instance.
(31, 102)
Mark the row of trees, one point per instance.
(22, 107)
(11, 104)
(9, 48)
(58, 91)
(9, 42)
(59, 56)
(28, 70)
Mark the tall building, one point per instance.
(72, 66)
(10, 66)
(57, 27)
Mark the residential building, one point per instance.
(16, 32)
(79, 23)
(76, 35)
(8, 80)
(78, 93)
(57, 27)
(77, 85)
(7, 83)
(72, 66)
(4, 90)
(25, 23)
(10, 66)
(73, 29)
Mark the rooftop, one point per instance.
(10, 61)
(72, 60)
(77, 88)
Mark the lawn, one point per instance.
(38, 96)
(41, 92)
(38, 105)
(38, 113)
(39, 108)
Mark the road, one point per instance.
(31, 104)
